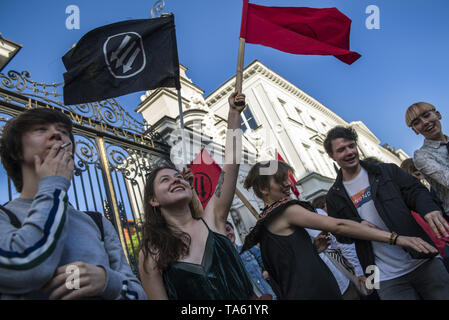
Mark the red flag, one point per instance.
(206, 172)
(298, 30)
(290, 178)
(440, 243)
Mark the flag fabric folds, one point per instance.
(291, 178)
(206, 173)
(122, 58)
(298, 30)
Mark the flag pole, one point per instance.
(181, 121)
(246, 202)
(238, 89)
(241, 54)
(158, 7)
(240, 61)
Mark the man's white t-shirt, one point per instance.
(391, 260)
(348, 251)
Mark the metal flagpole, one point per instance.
(181, 121)
(157, 9)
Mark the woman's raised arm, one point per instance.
(219, 205)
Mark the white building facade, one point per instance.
(279, 117)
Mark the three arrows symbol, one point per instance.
(121, 59)
(202, 192)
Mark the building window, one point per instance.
(314, 124)
(323, 125)
(247, 120)
(282, 102)
(325, 159)
(299, 112)
(310, 157)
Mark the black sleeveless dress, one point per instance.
(296, 269)
(220, 276)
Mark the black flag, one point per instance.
(121, 58)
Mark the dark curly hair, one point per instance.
(347, 133)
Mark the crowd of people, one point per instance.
(376, 219)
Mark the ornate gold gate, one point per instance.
(114, 152)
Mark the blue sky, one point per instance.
(403, 62)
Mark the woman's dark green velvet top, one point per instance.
(220, 276)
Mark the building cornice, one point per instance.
(172, 92)
(188, 82)
(398, 153)
(363, 128)
(155, 95)
(256, 67)
(314, 175)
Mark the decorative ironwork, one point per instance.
(3, 121)
(86, 152)
(132, 163)
(157, 8)
(113, 154)
(107, 210)
(107, 113)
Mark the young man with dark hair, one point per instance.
(382, 195)
(48, 249)
(432, 159)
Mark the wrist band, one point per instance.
(393, 238)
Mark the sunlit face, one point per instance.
(345, 153)
(40, 138)
(230, 233)
(170, 188)
(428, 124)
(277, 191)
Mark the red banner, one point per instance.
(206, 172)
(298, 30)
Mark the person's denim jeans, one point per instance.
(430, 281)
